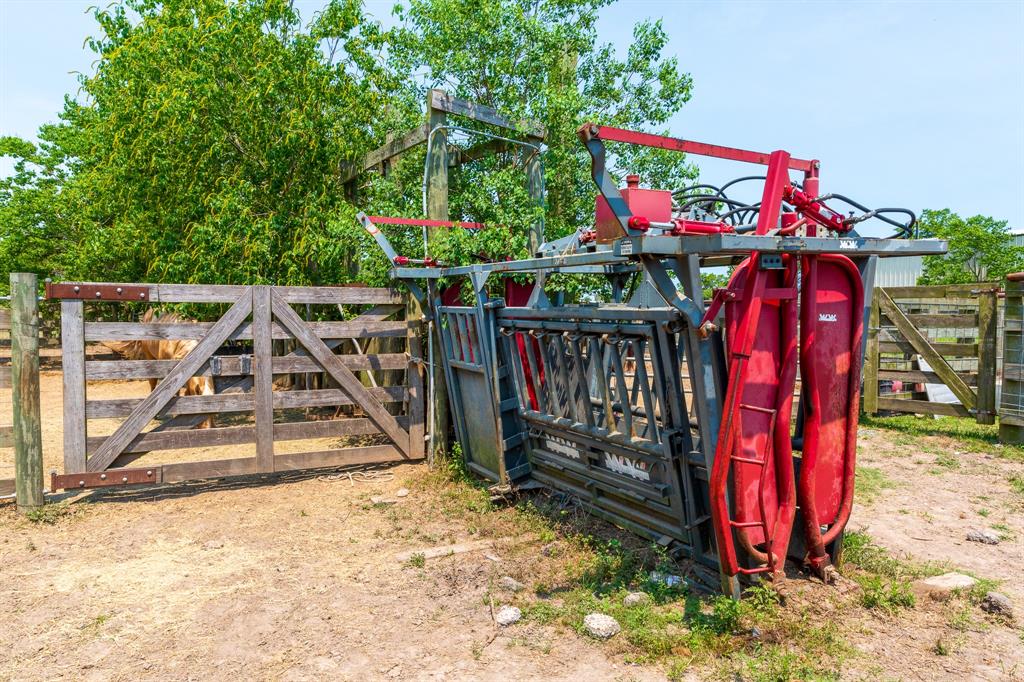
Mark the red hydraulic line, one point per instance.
(610, 134)
(385, 220)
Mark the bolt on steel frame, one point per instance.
(651, 411)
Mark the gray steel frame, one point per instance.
(666, 312)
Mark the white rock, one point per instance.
(402, 492)
(381, 501)
(507, 615)
(636, 598)
(601, 626)
(983, 536)
(511, 584)
(940, 587)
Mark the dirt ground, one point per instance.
(304, 577)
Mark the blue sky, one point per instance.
(917, 104)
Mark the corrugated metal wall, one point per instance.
(903, 272)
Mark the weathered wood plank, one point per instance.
(937, 321)
(7, 487)
(228, 293)
(234, 365)
(72, 320)
(141, 331)
(373, 454)
(441, 101)
(414, 137)
(240, 435)
(940, 290)
(930, 355)
(27, 431)
(348, 381)
(987, 360)
(871, 351)
(923, 407)
(913, 376)
(263, 378)
(961, 350)
(166, 389)
(6, 436)
(5, 376)
(240, 402)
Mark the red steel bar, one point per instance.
(610, 134)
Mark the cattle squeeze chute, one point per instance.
(665, 413)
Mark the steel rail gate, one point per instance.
(668, 414)
(601, 393)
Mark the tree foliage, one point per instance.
(210, 142)
(981, 249)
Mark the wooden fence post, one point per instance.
(437, 209)
(28, 438)
(987, 330)
(871, 358)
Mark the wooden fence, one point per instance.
(385, 421)
(939, 335)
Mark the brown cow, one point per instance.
(165, 349)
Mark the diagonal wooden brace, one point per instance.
(348, 381)
(169, 386)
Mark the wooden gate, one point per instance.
(939, 335)
(238, 351)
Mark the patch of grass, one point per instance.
(984, 512)
(947, 461)
(1006, 533)
(418, 560)
(870, 483)
(50, 514)
(981, 437)
(860, 550)
(886, 594)
(777, 662)
(1016, 484)
(884, 579)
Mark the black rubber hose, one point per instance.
(710, 199)
(906, 228)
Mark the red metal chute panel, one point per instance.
(517, 295)
(832, 328)
(759, 493)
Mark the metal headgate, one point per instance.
(601, 391)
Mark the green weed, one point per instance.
(981, 437)
(50, 514)
(870, 484)
(886, 594)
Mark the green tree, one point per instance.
(210, 141)
(980, 249)
(207, 146)
(538, 61)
